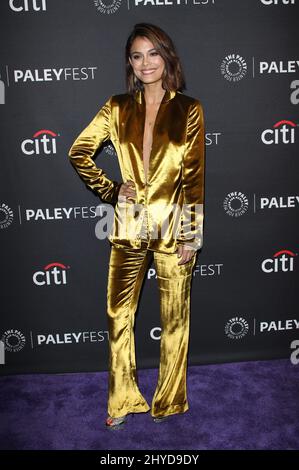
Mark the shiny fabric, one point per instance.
(127, 268)
(172, 197)
(167, 212)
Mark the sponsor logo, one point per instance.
(211, 138)
(169, 3)
(52, 274)
(235, 204)
(283, 132)
(289, 66)
(208, 269)
(278, 2)
(155, 333)
(27, 5)
(110, 150)
(278, 325)
(43, 142)
(61, 213)
(107, 7)
(13, 340)
(236, 328)
(281, 202)
(6, 216)
(18, 76)
(199, 269)
(71, 338)
(233, 68)
(282, 261)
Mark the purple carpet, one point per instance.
(247, 405)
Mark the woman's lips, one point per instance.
(148, 72)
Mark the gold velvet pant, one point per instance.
(127, 268)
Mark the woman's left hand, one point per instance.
(185, 253)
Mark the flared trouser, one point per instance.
(127, 268)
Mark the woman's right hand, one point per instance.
(127, 192)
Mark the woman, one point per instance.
(158, 135)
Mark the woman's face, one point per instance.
(147, 64)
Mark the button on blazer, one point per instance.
(173, 192)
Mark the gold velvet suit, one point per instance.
(168, 211)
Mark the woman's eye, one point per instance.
(154, 53)
(135, 57)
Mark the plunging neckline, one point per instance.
(146, 174)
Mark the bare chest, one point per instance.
(150, 118)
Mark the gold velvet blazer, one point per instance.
(174, 191)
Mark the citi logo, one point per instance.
(52, 274)
(283, 132)
(42, 142)
(155, 333)
(278, 2)
(27, 5)
(282, 261)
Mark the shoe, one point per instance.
(115, 423)
(159, 419)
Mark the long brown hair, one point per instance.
(173, 78)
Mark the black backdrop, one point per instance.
(60, 61)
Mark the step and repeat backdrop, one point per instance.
(60, 61)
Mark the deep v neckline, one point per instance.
(153, 128)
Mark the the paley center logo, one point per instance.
(43, 142)
(107, 7)
(13, 340)
(281, 262)
(53, 274)
(235, 204)
(233, 67)
(282, 132)
(236, 328)
(6, 215)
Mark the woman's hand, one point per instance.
(185, 253)
(127, 192)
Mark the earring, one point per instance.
(136, 83)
